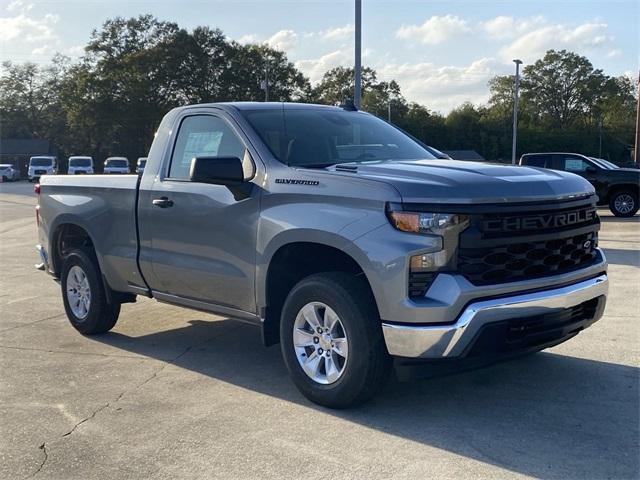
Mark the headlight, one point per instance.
(426, 223)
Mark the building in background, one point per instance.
(17, 151)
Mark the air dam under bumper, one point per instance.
(454, 340)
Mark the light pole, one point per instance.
(264, 84)
(357, 91)
(636, 154)
(515, 111)
(600, 138)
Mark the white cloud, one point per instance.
(583, 38)
(614, 52)
(315, 68)
(283, 40)
(248, 38)
(18, 5)
(443, 87)
(434, 30)
(502, 27)
(338, 33)
(19, 27)
(74, 51)
(44, 50)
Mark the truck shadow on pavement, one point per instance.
(614, 219)
(620, 256)
(545, 415)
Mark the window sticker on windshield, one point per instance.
(572, 164)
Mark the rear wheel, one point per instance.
(83, 294)
(332, 340)
(624, 204)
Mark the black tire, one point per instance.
(102, 315)
(631, 203)
(368, 365)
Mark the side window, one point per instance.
(203, 136)
(536, 160)
(574, 164)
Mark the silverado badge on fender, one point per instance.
(292, 181)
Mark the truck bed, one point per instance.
(105, 206)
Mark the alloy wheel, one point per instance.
(320, 343)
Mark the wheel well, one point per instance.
(66, 238)
(290, 264)
(630, 187)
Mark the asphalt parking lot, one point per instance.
(173, 393)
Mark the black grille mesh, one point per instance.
(419, 282)
(514, 262)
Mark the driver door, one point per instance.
(585, 169)
(197, 241)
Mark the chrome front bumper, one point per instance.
(450, 341)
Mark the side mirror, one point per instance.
(217, 170)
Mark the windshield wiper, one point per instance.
(317, 165)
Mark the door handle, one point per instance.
(162, 202)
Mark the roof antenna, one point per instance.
(348, 105)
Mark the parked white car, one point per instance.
(80, 164)
(42, 165)
(142, 161)
(9, 173)
(116, 165)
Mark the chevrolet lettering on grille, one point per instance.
(538, 222)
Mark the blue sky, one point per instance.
(441, 52)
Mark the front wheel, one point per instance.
(84, 296)
(624, 204)
(332, 341)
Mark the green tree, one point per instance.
(338, 84)
(29, 99)
(562, 88)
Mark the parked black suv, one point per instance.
(615, 186)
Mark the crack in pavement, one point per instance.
(67, 352)
(144, 382)
(122, 394)
(42, 447)
(31, 323)
(86, 419)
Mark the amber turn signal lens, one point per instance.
(406, 222)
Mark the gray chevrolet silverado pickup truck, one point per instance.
(337, 234)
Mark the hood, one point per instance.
(623, 172)
(451, 181)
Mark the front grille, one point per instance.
(510, 244)
(529, 332)
(512, 262)
(40, 172)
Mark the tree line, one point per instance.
(111, 100)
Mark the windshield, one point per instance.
(605, 163)
(317, 137)
(5, 167)
(117, 163)
(80, 162)
(41, 162)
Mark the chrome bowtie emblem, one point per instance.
(586, 244)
